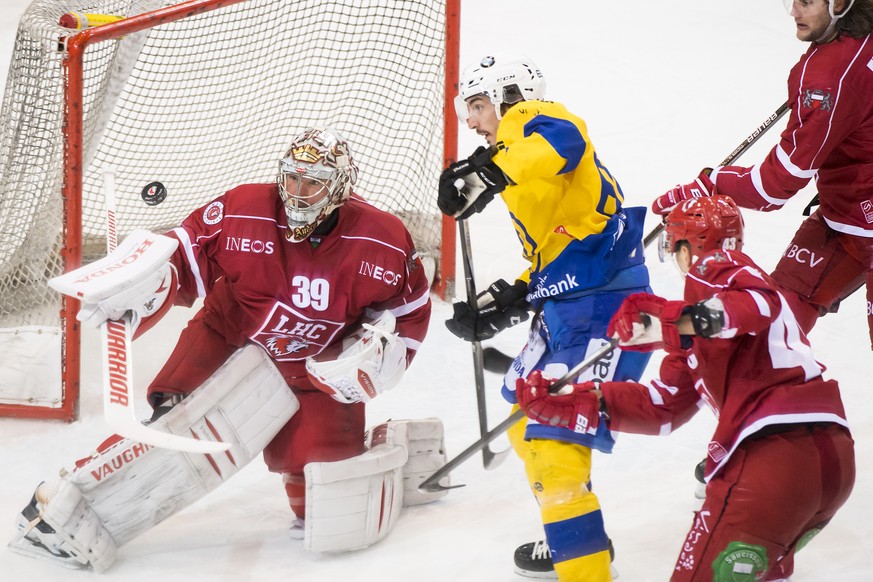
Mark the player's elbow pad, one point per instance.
(707, 317)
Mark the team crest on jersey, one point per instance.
(289, 335)
(867, 209)
(716, 257)
(213, 213)
(817, 99)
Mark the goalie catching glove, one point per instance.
(575, 406)
(136, 277)
(365, 364)
(501, 306)
(467, 186)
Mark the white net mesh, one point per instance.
(206, 103)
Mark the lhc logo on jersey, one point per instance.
(289, 335)
(213, 213)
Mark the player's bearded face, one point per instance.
(811, 18)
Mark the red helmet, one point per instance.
(707, 224)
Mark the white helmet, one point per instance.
(318, 161)
(503, 79)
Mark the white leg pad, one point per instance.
(126, 487)
(354, 503)
(425, 446)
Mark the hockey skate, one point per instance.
(37, 539)
(534, 560)
(297, 529)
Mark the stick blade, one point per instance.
(164, 440)
(491, 459)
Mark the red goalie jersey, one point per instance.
(758, 372)
(295, 299)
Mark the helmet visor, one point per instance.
(664, 246)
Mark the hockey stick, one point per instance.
(734, 155)
(432, 482)
(490, 459)
(117, 356)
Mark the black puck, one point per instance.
(154, 193)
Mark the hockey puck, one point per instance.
(154, 193)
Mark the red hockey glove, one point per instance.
(699, 188)
(575, 406)
(645, 322)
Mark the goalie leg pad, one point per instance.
(354, 503)
(128, 487)
(425, 446)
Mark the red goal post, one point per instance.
(200, 95)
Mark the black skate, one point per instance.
(534, 560)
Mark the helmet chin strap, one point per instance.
(834, 17)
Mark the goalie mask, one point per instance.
(506, 80)
(316, 175)
(707, 224)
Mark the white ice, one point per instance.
(666, 88)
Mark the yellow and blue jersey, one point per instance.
(567, 209)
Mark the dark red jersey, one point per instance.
(295, 299)
(759, 371)
(829, 137)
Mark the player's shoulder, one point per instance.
(367, 218)
(243, 192)
(720, 263)
(550, 117)
(255, 199)
(836, 60)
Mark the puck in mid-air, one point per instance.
(154, 193)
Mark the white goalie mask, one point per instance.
(316, 175)
(503, 79)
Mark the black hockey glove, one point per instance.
(482, 179)
(501, 306)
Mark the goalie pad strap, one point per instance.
(129, 487)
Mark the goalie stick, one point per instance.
(117, 359)
(734, 155)
(490, 458)
(432, 483)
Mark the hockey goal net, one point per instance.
(200, 96)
